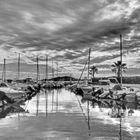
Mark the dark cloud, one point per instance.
(58, 26)
(98, 60)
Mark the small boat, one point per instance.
(10, 92)
(128, 93)
(87, 92)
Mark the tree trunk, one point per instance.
(119, 75)
(93, 74)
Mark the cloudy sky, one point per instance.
(65, 29)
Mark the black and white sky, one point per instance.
(65, 29)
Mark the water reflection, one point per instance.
(65, 115)
(122, 112)
(117, 108)
(37, 103)
(52, 99)
(46, 98)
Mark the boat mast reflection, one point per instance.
(57, 92)
(52, 99)
(46, 98)
(117, 109)
(120, 133)
(37, 104)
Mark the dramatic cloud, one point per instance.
(65, 29)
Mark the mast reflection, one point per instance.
(46, 98)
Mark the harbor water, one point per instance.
(61, 115)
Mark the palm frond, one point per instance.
(113, 65)
(123, 65)
(124, 71)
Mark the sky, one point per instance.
(65, 30)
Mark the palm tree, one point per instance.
(93, 70)
(117, 67)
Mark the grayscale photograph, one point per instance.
(69, 69)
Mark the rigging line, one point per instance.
(26, 105)
(82, 73)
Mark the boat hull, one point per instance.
(11, 92)
(87, 92)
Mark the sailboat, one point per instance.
(86, 88)
(118, 90)
(8, 90)
(128, 94)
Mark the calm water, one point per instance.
(60, 115)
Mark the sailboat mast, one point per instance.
(89, 62)
(19, 66)
(46, 77)
(37, 69)
(121, 59)
(52, 70)
(4, 71)
(57, 69)
(88, 100)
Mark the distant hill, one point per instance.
(63, 78)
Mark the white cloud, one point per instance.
(28, 16)
(117, 10)
(62, 28)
